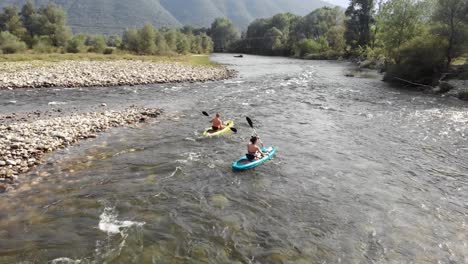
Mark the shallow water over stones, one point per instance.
(364, 173)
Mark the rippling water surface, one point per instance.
(364, 174)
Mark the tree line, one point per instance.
(415, 40)
(319, 33)
(45, 30)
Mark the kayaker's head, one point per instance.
(254, 139)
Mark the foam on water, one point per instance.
(57, 103)
(65, 261)
(108, 222)
(233, 82)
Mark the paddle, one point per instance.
(233, 129)
(252, 126)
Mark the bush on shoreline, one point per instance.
(9, 43)
(422, 62)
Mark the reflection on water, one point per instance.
(365, 173)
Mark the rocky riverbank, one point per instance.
(104, 73)
(23, 144)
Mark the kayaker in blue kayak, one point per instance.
(217, 123)
(254, 152)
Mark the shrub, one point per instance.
(423, 60)
(43, 44)
(98, 44)
(310, 46)
(114, 41)
(108, 50)
(76, 44)
(9, 43)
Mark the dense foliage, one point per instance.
(320, 32)
(223, 34)
(415, 40)
(149, 40)
(419, 39)
(45, 30)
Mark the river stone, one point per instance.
(445, 87)
(200, 251)
(11, 162)
(3, 163)
(3, 187)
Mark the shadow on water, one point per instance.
(364, 174)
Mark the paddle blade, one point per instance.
(249, 121)
(234, 129)
(205, 113)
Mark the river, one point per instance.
(365, 173)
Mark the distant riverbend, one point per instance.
(36, 74)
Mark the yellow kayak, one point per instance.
(227, 129)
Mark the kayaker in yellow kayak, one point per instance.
(254, 152)
(217, 123)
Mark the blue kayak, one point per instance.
(245, 164)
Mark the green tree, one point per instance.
(451, 17)
(183, 45)
(42, 44)
(335, 38)
(207, 43)
(321, 20)
(114, 41)
(10, 21)
(146, 40)
(399, 21)
(28, 16)
(10, 43)
(195, 44)
(161, 45)
(98, 44)
(223, 34)
(171, 39)
(358, 23)
(422, 60)
(274, 37)
(130, 40)
(52, 22)
(77, 44)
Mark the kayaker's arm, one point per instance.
(261, 152)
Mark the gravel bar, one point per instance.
(104, 73)
(24, 144)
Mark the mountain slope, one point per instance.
(113, 16)
(241, 12)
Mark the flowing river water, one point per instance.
(365, 173)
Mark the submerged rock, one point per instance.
(219, 200)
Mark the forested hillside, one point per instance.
(114, 16)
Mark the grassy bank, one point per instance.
(202, 60)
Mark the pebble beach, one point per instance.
(14, 75)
